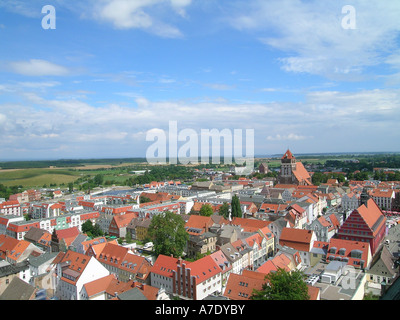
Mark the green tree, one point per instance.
(87, 227)
(70, 187)
(235, 207)
(98, 179)
(97, 232)
(128, 237)
(282, 285)
(168, 233)
(206, 210)
(224, 210)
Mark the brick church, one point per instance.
(293, 172)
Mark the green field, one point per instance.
(33, 178)
(37, 177)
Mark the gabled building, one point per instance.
(190, 280)
(241, 286)
(138, 228)
(39, 237)
(324, 228)
(384, 271)
(300, 239)
(16, 251)
(123, 263)
(350, 201)
(197, 225)
(62, 239)
(119, 224)
(297, 216)
(365, 224)
(74, 270)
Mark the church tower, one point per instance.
(288, 165)
(364, 197)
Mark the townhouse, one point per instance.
(10, 208)
(123, 263)
(299, 239)
(188, 280)
(384, 198)
(201, 240)
(138, 228)
(18, 229)
(39, 237)
(73, 271)
(236, 259)
(350, 201)
(223, 263)
(296, 216)
(16, 251)
(325, 227)
(116, 209)
(26, 196)
(119, 224)
(111, 288)
(258, 245)
(84, 246)
(6, 220)
(384, 271)
(287, 259)
(242, 286)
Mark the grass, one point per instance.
(31, 178)
(36, 177)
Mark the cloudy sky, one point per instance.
(314, 76)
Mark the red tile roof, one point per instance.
(288, 155)
(250, 225)
(77, 263)
(349, 246)
(299, 239)
(371, 214)
(199, 222)
(240, 287)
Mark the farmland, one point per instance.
(37, 177)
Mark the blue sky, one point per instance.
(112, 70)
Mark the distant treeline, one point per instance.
(367, 163)
(65, 163)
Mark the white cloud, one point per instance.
(37, 67)
(139, 14)
(332, 120)
(219, 86)
(289, 137)
(311, 36)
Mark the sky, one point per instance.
(92, 79)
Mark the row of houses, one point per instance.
(242, 249)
